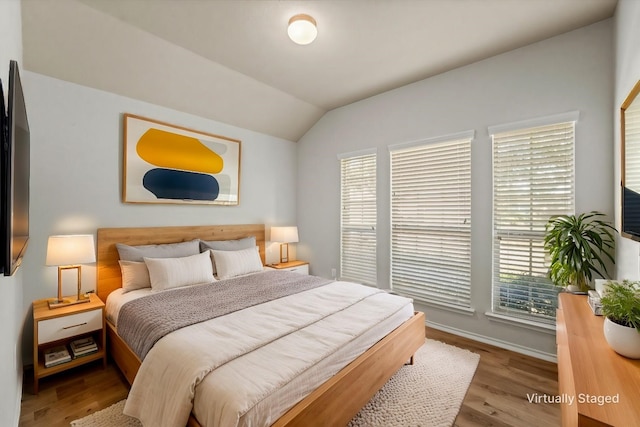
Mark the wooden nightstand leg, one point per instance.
(104, 343)
(36, 356)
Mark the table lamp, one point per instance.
(67, 253)
(284, 235)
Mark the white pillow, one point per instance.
(236, 263)
(226, 245)
(168, 273)
(135, 275)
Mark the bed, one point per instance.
(333, 402)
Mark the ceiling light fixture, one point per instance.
(302, 29)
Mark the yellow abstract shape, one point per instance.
(170, 150)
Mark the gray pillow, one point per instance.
(167, 250)
(228, 245)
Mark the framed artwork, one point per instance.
(164, 163)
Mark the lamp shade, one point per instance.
(302, 29)
(70, 250)
(284, 234)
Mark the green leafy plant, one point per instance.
(621, 303)
(578, 246)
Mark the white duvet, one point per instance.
(247, 357)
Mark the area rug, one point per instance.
(428, 393)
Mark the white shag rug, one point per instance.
(426, 394)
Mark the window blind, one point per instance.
(533, 179)
(431, 221)
(358, 218)
(632, 147)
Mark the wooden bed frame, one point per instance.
(333, 403)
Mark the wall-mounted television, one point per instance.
(14, 176)
(630, 163)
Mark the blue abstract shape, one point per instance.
(181, 185)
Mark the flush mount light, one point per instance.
(302, 29)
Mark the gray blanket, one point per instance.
(144, 321)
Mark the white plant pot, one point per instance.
(622, 339)
(572, 288)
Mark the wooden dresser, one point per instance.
(604, 385)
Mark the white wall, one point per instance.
(11, 313)
(569, 72)
(76, 175)
(627, 73)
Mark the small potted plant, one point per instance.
(621, 308)
(578, 246)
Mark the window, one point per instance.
(533, 179)
(431, 220)
(358, 217)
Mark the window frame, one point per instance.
(541, 298)
(361, 266)
(456, 294)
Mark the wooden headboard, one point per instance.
(109, 277)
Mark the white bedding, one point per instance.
(249, 367)
(267, 411)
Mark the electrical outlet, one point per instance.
(334, 274)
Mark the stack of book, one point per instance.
(594, 302)
(83, 347)
(56, 356)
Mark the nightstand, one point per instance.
(301, 267)
(60, 326)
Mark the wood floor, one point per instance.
(497, 395)
(71, 395)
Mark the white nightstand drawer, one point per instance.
(302, 269)
(68, 326)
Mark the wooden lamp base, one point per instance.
(56, 303)
(64, 302)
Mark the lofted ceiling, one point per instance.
(232, 61)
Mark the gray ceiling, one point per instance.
(231, 61)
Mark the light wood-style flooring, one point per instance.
(497, 395)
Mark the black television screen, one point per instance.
(15, 177)
(3, 119)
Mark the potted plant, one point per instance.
(578, 246)
(621, 306)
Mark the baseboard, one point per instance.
(549, 357)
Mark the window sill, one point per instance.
(526, 324)
(467, 311)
